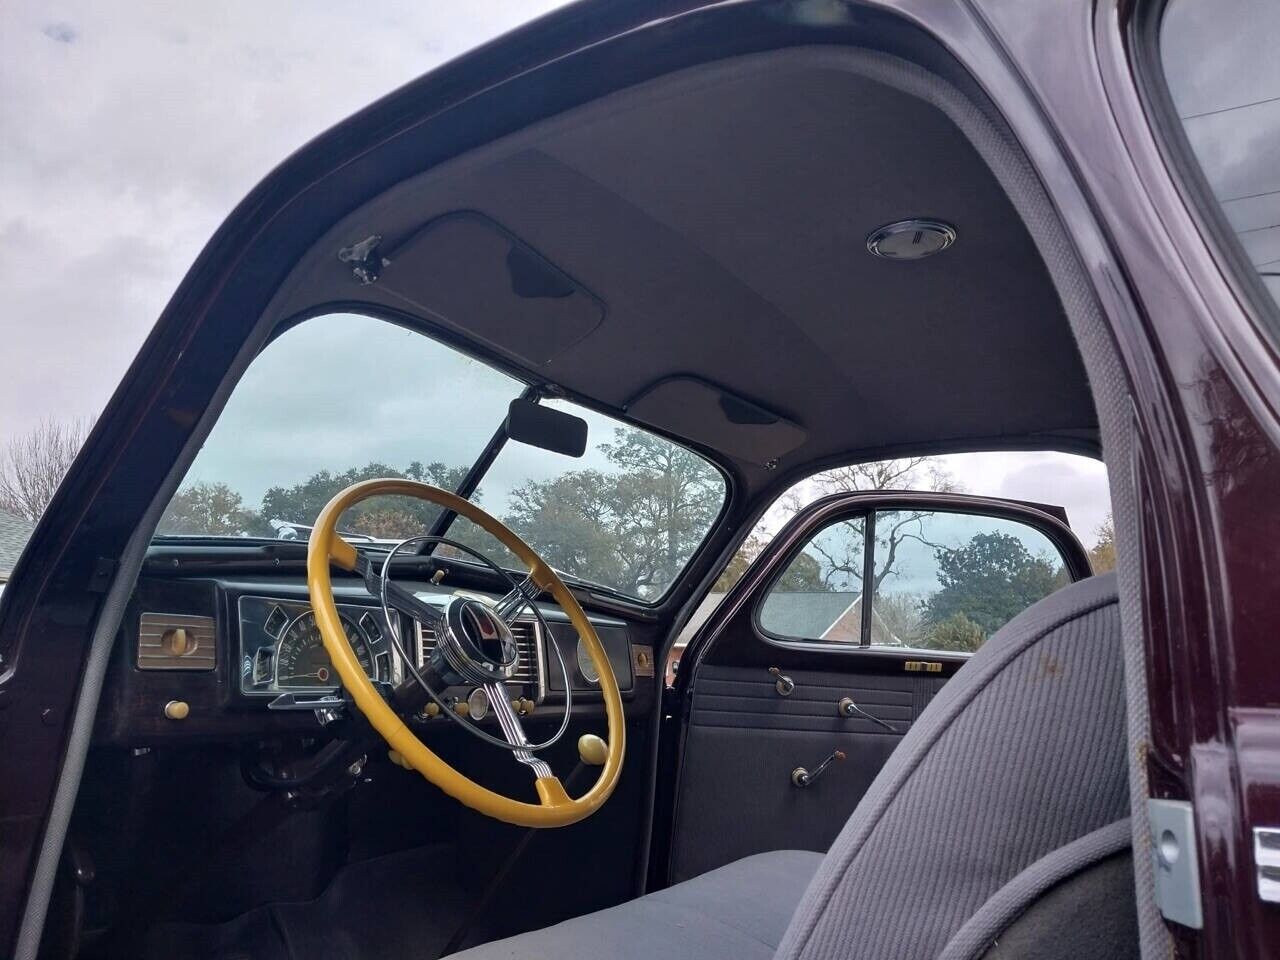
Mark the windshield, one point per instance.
(345, 397)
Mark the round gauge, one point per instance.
(587, 666)
(302, 660)
(478, 704)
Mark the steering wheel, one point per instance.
(474, 642)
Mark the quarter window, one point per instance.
(819, 595)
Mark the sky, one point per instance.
(128, 133)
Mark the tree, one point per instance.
(899, 617)
(844, 560)
(892, 529)
(210, 509)
(957, 632)
(633, 527)
(989, 580)
(1103, 555)
(34, 463)
(383, 517)
(803, 574)
(739, 562)
(907, 473)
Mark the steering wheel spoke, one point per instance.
(513, 729)
(401, 599)
(398, 597)
(511, 604)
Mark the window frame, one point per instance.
(784, 564)
(1187, 176)
(812, 521)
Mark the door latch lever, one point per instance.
(800, 777)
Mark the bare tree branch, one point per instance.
(34, 463)
(907, 473)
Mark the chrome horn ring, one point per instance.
(503, 607)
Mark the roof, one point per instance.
(14, 534)
(687, 253)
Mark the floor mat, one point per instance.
(398, 906)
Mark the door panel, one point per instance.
(946, 570)
(745, 739)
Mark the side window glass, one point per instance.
(1223, 72)
(947, 581)
(819, 595)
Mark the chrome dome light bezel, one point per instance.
(943, 236)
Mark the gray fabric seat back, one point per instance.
(1017, 757)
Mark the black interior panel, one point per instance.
(744, 740)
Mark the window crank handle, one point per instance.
(847, 708)
(801, 777)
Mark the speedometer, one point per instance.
(302, 660)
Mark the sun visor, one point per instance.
(702, 412)
(475, 276)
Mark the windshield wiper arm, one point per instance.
(475, 473)
(580, 581)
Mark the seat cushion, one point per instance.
(739, 910)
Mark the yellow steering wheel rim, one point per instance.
(555, 807)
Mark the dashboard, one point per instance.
(224, 658)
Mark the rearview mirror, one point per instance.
(539, 426)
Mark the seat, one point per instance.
(740, 910)
(1003, 810)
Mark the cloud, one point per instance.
(60, 32)
(1077, 484)
(129, 135)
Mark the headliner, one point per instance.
(714, 224)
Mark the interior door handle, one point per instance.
(847, 708)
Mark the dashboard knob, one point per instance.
(430, 710)
(177, 642)
(177, 709)
(461, 708)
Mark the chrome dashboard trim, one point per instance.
(379, 651)
(539, 641)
